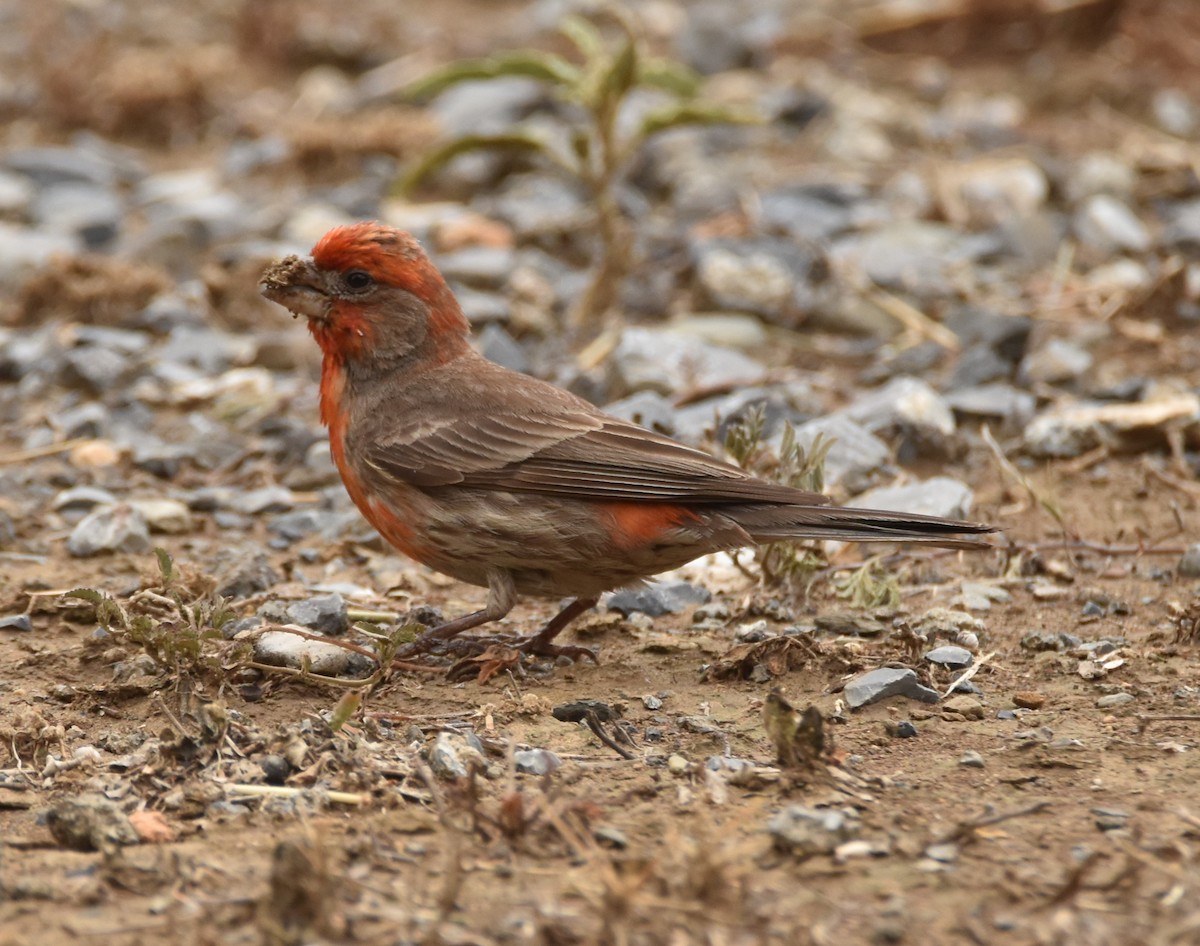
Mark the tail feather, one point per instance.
(777, 523)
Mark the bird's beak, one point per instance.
(296, 285)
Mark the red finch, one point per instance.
(504, 481)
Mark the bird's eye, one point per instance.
(357, 280)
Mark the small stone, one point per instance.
(904, 730)
(939, 496)
(16, 622)
(1056, 362)
(82, 500)
(93, 369)
(1107, 225)
(677, 765)
(1175, 112)
(281, 649)
(246, 576)
(998, 401)
(275, 769)
(957, 658)
(658, 598)
(536, 761)
(972, 760)
(652, 702)
(1189, 564)
(966, 706)
(1114, 699)
(668, 362)
(452, 754)
(856, 452)
(758, 276)
(903, 403)
(1029, 699)
(119, 528)
(1110, 819)
(164, 515)
(805, 831)
(90, 823)
(848, 623)
(264, 499)
(325, 615)
(884, 683)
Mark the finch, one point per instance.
(507, 482)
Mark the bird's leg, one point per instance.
(502, 597)
(541, 642)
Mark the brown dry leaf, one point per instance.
(777, 654)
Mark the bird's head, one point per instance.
(369, 292)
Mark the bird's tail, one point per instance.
(777, 523)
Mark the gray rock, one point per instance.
(647, 408)
(325, 615)
(658, 598)
(947, 623)
(92, 369)
(884, 683)
(90, 823)
(958, 658)
(1001, 402)
(16, 622)
(16, 194)
(164, 515)
(1189, 564)
(246, 575)
(90, 213)
(23, 249)
(856, 452)
(263, 499)
(972, 760)
(810, 213)
(1175, 112)
(1183, 224)
(912, 255)
(482, 307)
(47, 167)
(539, 206)
(903, 403)
(489, 105)
(296, 525)
(90, 419)
(807, 831)
(203, 347)
(119, 528)
(452, 756)
(999, 190)
(1107, 225)
(1100, 172)
(536, 761)
(664, 361)
(482, 267)
(760, 276)
(1114, 699)
(80, 500)
(281, 649)
(940, 496)
(495, 344)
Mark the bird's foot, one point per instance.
(484, 657)
(538, 647)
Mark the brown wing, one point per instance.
(566, 450)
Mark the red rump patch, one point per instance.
(639, 524)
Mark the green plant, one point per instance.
(782, 564)
(868, 586)
(598, 84)
(176, 625)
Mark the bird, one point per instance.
(504, 481)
